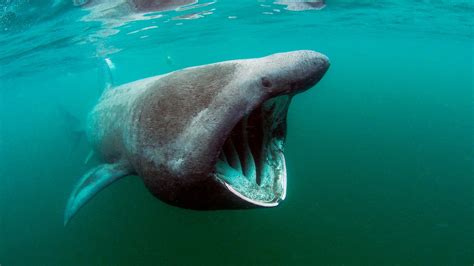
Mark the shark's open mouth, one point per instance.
(251, 163)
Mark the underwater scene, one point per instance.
(250, 132)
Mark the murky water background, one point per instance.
(380, 153)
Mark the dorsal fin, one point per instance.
(108, 68)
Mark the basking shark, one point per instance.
(206, 137)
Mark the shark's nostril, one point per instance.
(266, 82)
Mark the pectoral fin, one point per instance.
(92, 183)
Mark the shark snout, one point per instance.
(314, 65)
(292, 72)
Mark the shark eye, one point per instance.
(266, 82)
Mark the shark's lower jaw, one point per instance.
(251, 163)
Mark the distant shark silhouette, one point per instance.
(139, 5)
(301, 5)
(206, 137)
(116, 13)
(144, 6)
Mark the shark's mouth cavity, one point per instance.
(251, 162)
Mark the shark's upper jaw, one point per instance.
(251, 162)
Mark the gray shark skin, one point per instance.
(206, 137)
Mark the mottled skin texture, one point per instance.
(169, 129)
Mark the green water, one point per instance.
(379, 154)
